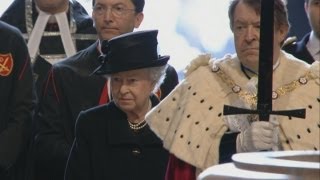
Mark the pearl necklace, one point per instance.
(139, 125)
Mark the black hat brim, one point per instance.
(107, 68)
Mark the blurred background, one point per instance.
(191, 27)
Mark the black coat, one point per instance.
(299, 49)
(70, 89)
(17, 97)
(106, 148)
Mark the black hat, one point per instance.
(134, 50)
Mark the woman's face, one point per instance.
(131, 90)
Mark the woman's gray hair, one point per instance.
(157, 75)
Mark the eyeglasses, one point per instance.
(116, 11)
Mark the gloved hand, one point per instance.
(239, 122)
(261, 135)
(201, 60)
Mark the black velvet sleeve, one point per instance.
(228, 147)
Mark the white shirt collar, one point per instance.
(39, 28)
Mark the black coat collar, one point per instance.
(119, 132)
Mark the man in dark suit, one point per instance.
(308, 48)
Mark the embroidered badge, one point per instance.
(274, 95)
(6, 64)
(303, 80)
(236, 89)
(215, 68)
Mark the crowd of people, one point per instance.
(89, 97)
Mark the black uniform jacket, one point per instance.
(299, 49)
(84, 35)
(17, 101)
(106, 148)
(69, 90)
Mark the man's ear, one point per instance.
(139, 19)
(283, 30)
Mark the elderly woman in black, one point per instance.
(113, 141)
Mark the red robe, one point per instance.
(178, 169)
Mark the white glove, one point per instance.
(201, 60)
(239, 122)
(261, 135)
